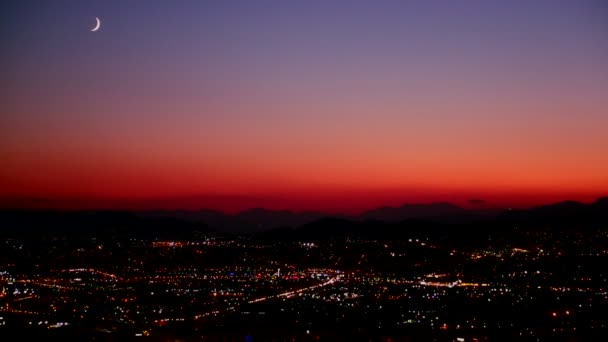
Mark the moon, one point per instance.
(97, 25)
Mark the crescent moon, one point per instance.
(97, 25)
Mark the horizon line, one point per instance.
(4, 206)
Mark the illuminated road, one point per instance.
(289, 294)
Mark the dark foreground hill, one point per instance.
(25, 223)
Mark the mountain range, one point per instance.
(260, 219)
(441, 219)
(384, 221)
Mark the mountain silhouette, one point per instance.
(260, 219)
(384, 222)
(414, 211)
(567, 214)
(252, 220)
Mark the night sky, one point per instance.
(328, 105)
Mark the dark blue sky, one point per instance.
(305, 100)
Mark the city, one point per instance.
(530, 284)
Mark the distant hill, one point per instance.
(252, 220)
(259, 219)
(414, 211)
(567, 214)
(440, 219)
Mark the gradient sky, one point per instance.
(333, 105)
